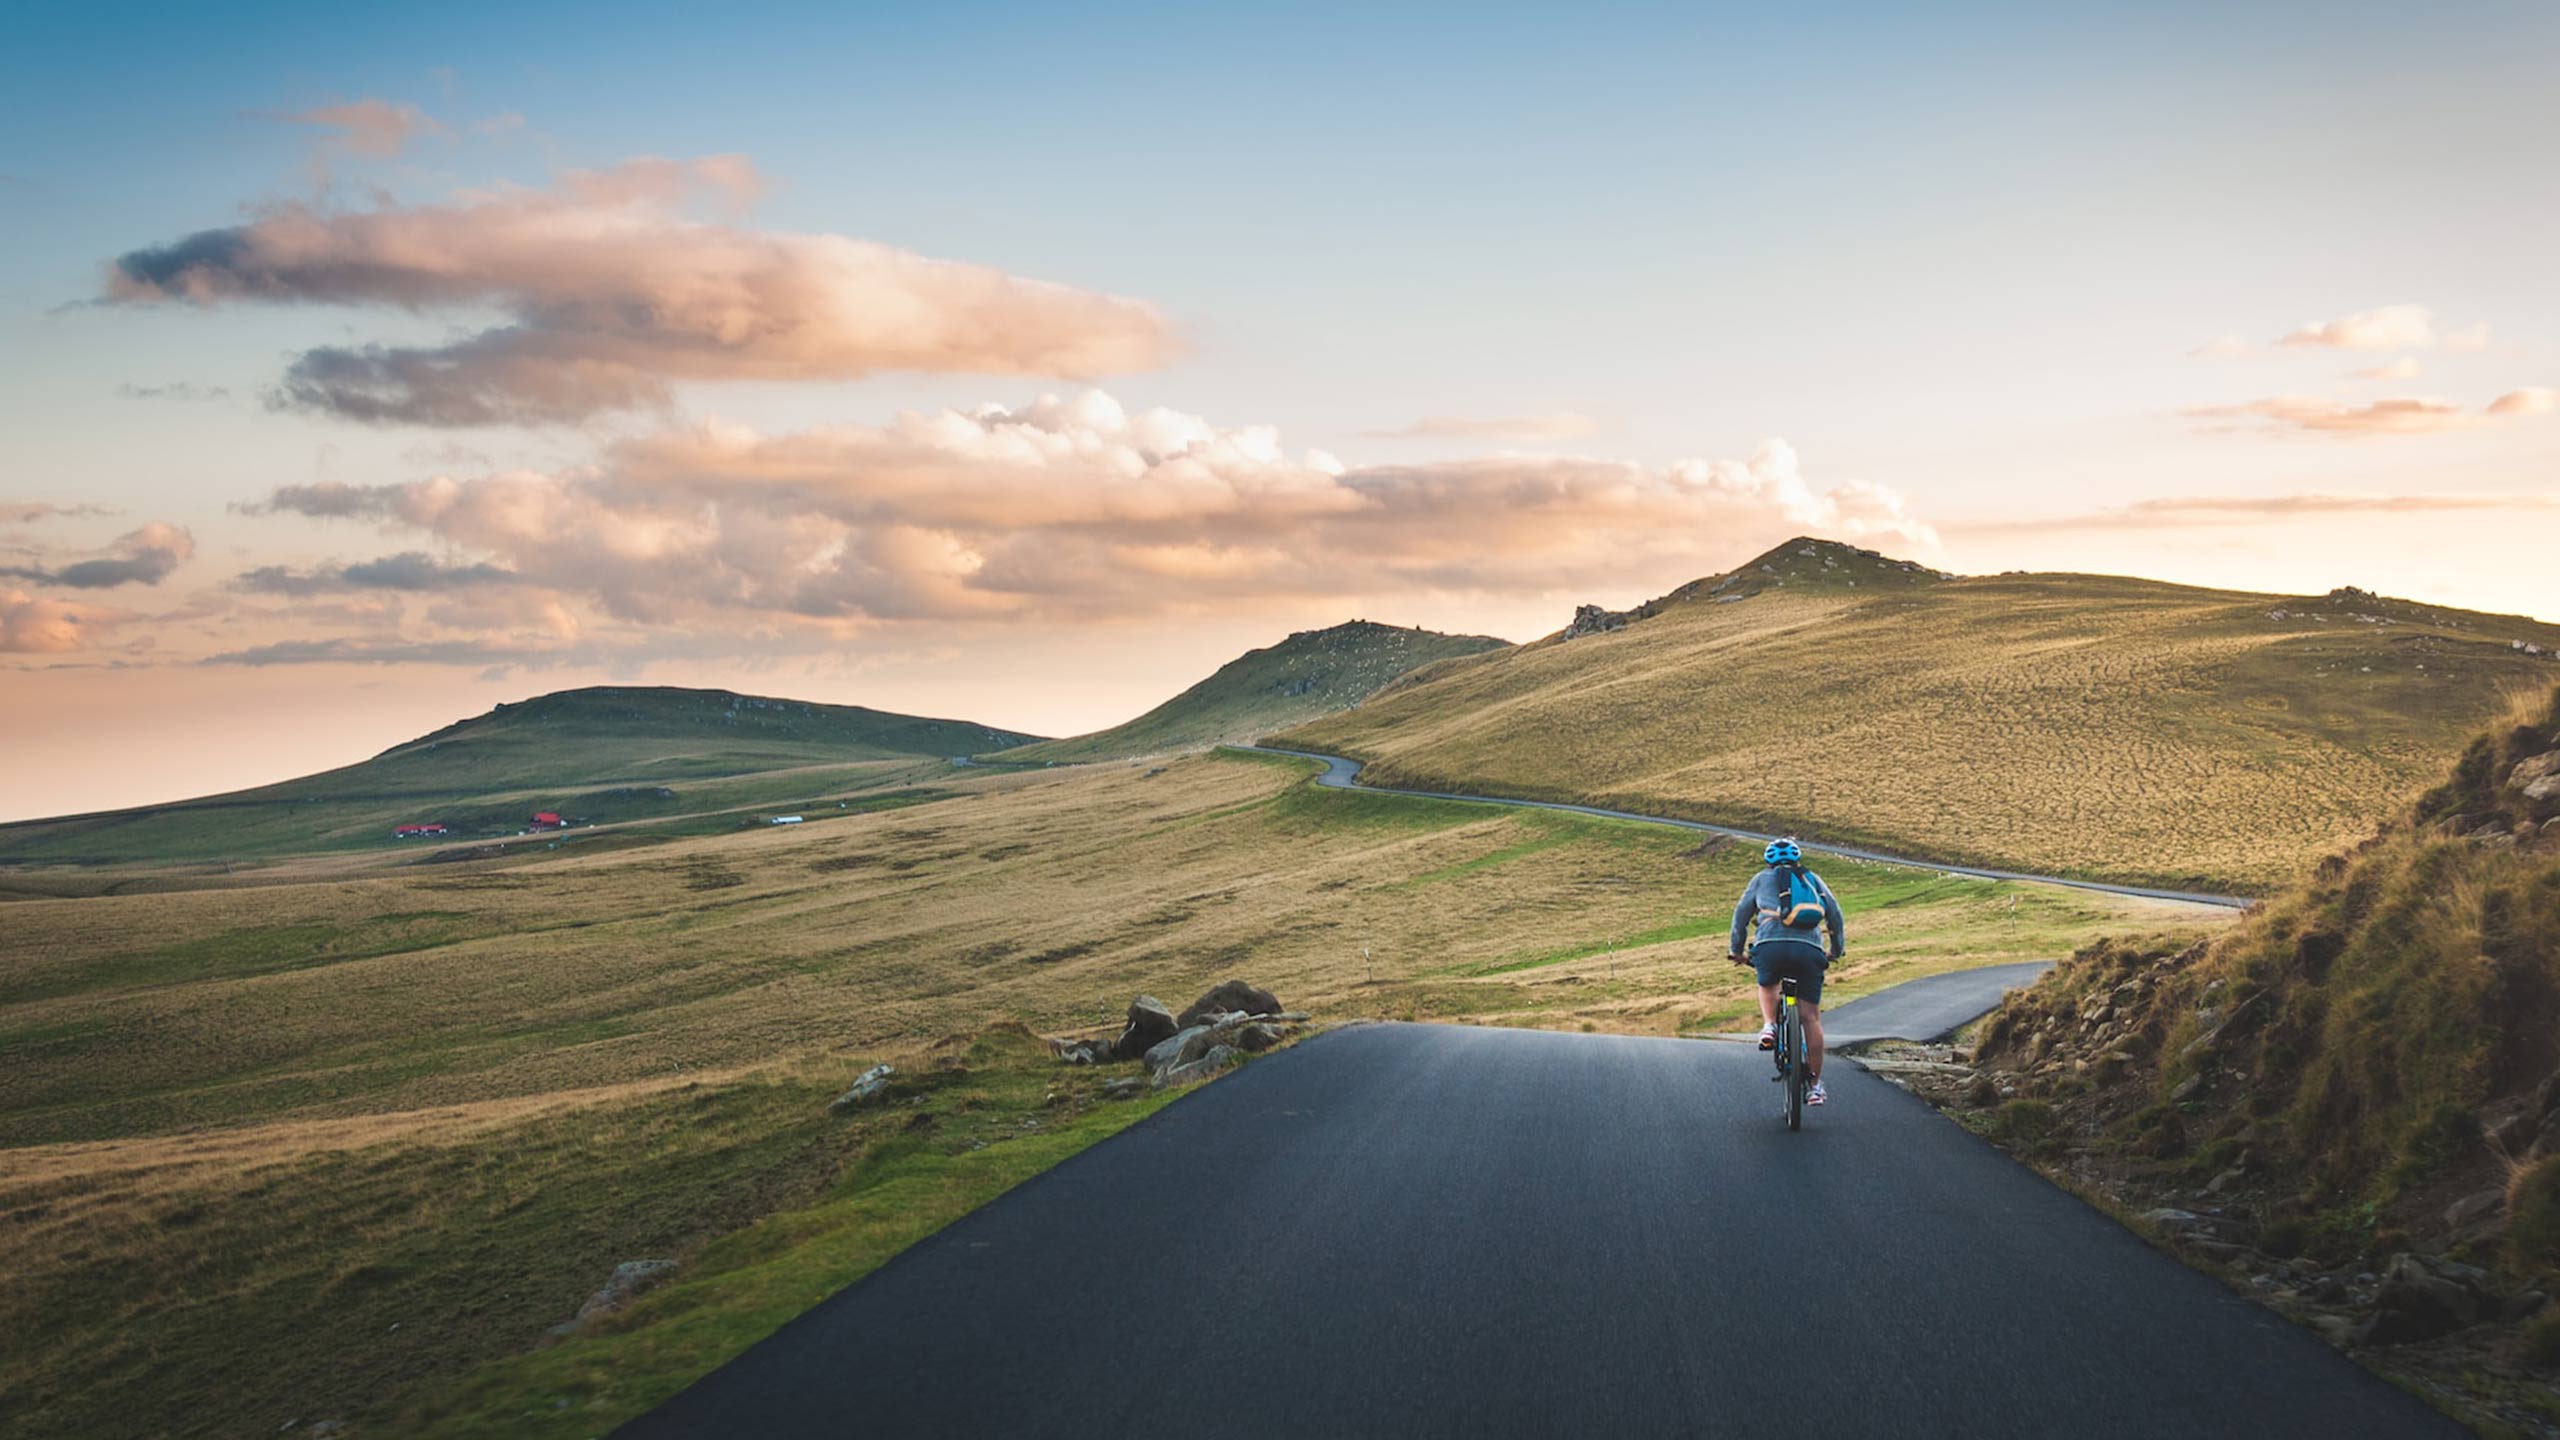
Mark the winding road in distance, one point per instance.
(1344, 774)
(1442, 1230)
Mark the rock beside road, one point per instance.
(1150, 1021)
(1230, 997)
(1211, 1034)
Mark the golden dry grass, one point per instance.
(2069, 724)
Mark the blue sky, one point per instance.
(1964, 255)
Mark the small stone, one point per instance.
(872, 1084)
(1129, 1088)
(629, 1279)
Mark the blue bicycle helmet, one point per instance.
(1782, 852)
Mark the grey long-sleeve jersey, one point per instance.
(1763, 894)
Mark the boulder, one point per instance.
(1150, 1020)
(2416, 1303)
(1085, 1052)
(1177, 1048)
(629, 1279)
(1127, 1088)
(1257, 1037)
(2482, 1206)
(873, 1083)
(1217, 1058)
(1230, 996)
(2533, 769)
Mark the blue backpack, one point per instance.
(1799, 898)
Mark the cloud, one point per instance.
(323, 500)
(1562, 425)
(33, 625)
(2405, 415)
(2179, 512)
(376, 129)
(613, 294)
(139, 557)
(410, 570)
(2404, 368)
(175, 390)
(2392, 327)
(2229, 347)
(28, 512)
(1077, 508)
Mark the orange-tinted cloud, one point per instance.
(614, 294)
(2392, 327)
(1077, 508)
(33, 625)
(2402, 415)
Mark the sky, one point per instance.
(1023, 363)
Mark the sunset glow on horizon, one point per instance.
(1023, 364)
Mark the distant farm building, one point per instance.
(784, 820)
(416, 832)
(547, 820)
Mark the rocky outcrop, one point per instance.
(1230, 997)
(1213, 1033)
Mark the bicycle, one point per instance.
(1790, 1053)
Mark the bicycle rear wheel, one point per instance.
(1792, 1037)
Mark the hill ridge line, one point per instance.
(1342, 773)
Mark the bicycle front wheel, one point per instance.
(1794, 1041)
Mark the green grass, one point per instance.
(605, 756)
(743, 1286)
(1312, 673)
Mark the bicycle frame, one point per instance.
(1791, 1052)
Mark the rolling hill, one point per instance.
(1312, 673)
(601, 755)
(2085, 725)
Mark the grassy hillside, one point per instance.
(1312, 673)
(2367, 1065)
(2078, 724)
(227, 1178)
(605, 755)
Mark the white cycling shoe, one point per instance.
(1814, 1094)
(1768, 1037)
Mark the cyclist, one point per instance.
(1791, 906)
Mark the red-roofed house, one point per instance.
(412, 832)
(547, 820)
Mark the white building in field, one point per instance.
(784, 820)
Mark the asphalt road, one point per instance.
(1928, 1008)
(1344, 774)
(1447, 1231)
